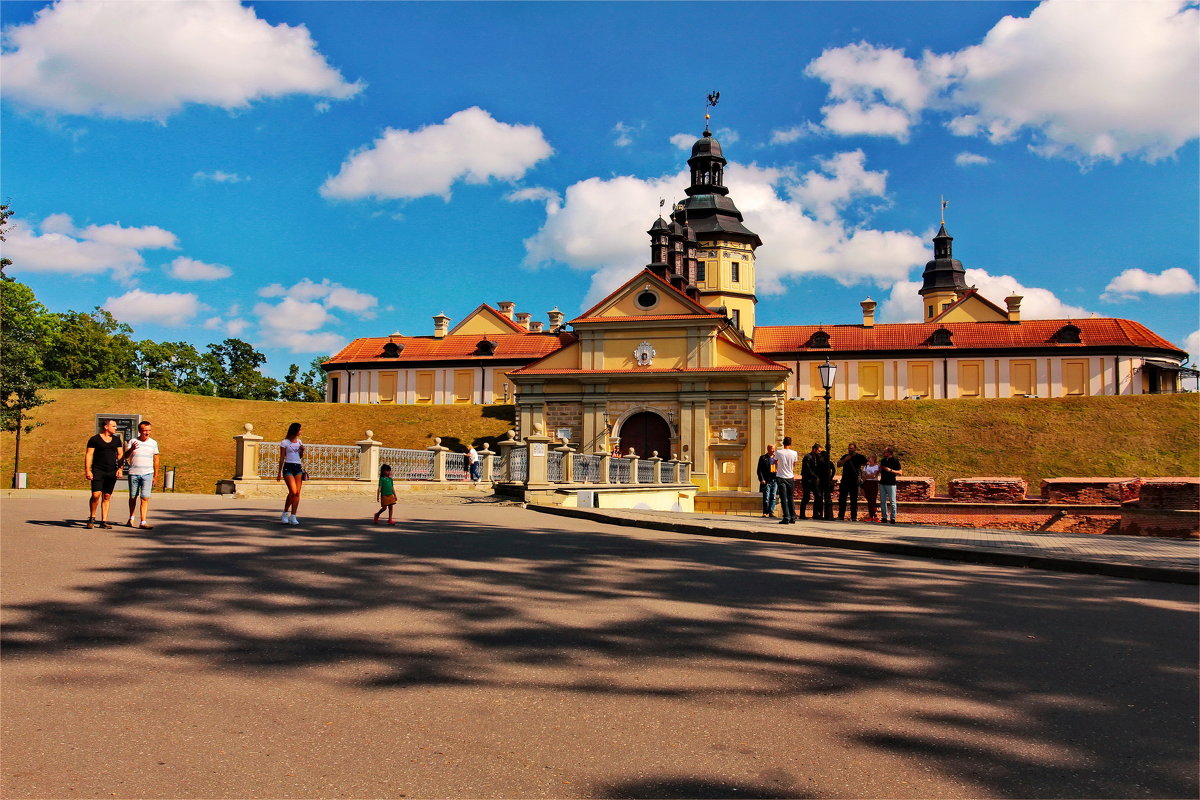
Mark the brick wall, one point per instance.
(988, 490)
(564, 415)
(1170, 493)
(913, 489)
(728, 414)
(1090, 491)
(1171, 523)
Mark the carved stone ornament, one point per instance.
(643, 354)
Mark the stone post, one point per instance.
(568, 467)
(246, 455)
(506, 448)
(673, 465)
(368, 457)
(485, 463)
(633, 460)
(602, 475)
(656, 471)
(439, 459)
(538, 445)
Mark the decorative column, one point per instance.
(656, 471)
(246, 455)
(439, 459)
(568, 466)
(538, 445)
(368, 457)
(603, 475)
(506, 450)
(485, 463)
(633, 460)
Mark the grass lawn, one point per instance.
(1147, 436)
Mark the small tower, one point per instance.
(944, 277)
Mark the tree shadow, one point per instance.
(1058, 662)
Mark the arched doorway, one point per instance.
(646, 432)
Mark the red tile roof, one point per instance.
(1035, 333)
(452, 348)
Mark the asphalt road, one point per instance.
(478, 651)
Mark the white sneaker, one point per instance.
(293, 521)
(283, 519)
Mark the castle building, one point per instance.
(674, 362)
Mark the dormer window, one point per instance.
(941, 338)
(646, 299)
(392, 349)
(819, 339)
(1067, 334)
(485, 347)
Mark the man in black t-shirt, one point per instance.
(850, 464)
(102, 466)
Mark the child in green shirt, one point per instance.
(385, 495)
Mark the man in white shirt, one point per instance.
(473, 462)
(785, 475)
(142, 455)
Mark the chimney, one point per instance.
(868, 307)
(1014, 307)
(556, 319)
(506, 308)
(523, 318)
(535, 327)
(441, 326)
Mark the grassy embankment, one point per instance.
(1034, 439)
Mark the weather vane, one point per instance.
(713, 98)
(945, 203)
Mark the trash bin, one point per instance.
(169, 480)
(21, 481)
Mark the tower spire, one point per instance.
(945, 203)
(714, 97)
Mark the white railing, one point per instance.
(515, 465)
(645, 471)
(586, 469)
(457, 467)
(408, 465)
(320, 460)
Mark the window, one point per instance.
(425, 388)
(1022, 378)
(464, 386)
(928, 312)
(335, 390)
(646, 299)
(1075, 378)
(700, 265)
(970, 379)
(737, 319)
(387, 388)
(735, 271)
(920, 379)
(870, 380)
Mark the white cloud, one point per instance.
(295, 321)
(965, 159)
(469, 145)
(600, 228)
(189, 269)
(845, 178)
(331, 295)
(625, 133)
(92, 251)
(904, 304)
(1192, 345)
(789, 135)
(219, 176)
(537, 194)
(1085, 81)
(148, 60)
(684, 141)
(172, 308)
(1131, 282)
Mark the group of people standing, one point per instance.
(876, 478)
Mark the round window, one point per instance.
(647, 299)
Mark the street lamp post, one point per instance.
(828, 372)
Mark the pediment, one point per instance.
(646, 295)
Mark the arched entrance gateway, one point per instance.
(647, 433)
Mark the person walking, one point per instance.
(810, 482)
(851, 465)
(102, 466)
(889, 470)
(385, 495)
(767, 485)
(473, 462)
(291, 472)
(870, 487)
(785, 478)
(142, 457)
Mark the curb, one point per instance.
(1135, 572)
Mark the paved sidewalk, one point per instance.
(1141, 557)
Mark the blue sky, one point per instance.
(300, 174)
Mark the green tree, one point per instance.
(172, 367)
(233, 367)
(308, 387)
(91, 351)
